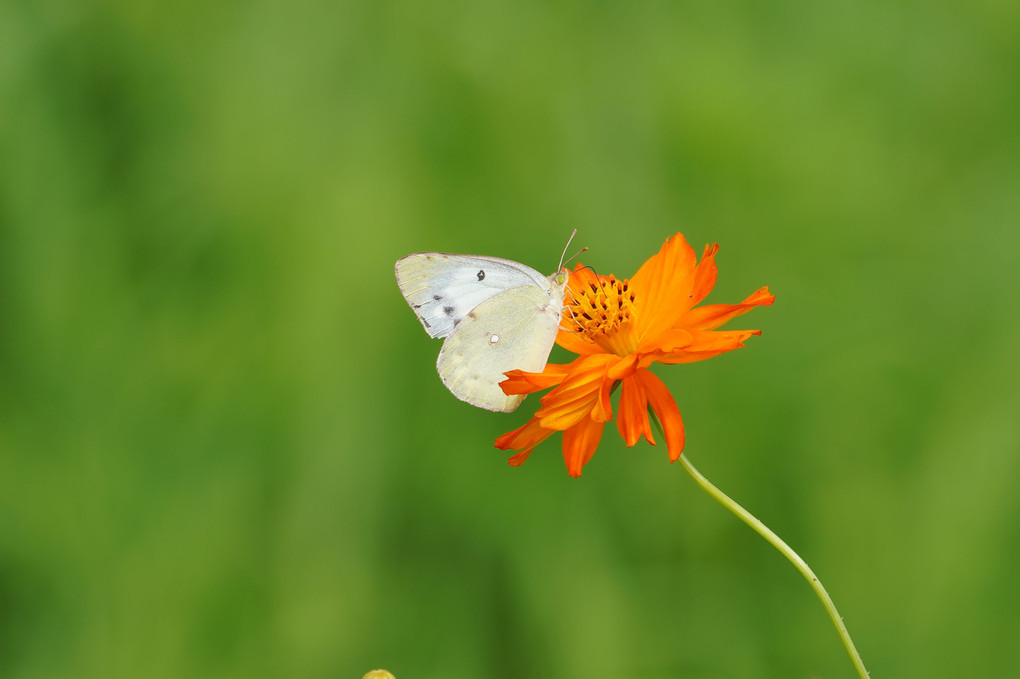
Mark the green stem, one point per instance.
(785, 549)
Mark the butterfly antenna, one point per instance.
(572, 234)
(564, 255)
(576, 254)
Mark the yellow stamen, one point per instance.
(601, 312)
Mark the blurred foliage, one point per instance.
(224, 450)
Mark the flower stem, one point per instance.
(786, 551)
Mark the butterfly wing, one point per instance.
(442, 288)
(515, 329)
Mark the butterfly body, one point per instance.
(496, 315)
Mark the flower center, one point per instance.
(601, 313)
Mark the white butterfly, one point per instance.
(496, 314)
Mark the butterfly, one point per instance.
(496, 315)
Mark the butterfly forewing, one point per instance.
(514, 329)
(442, 288)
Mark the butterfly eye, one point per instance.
(481, 275)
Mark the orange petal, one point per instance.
(718, 340)
(713, 315)
(707, 343)
(574, 343)
(524, 438)
(565, 414)
(705, 274)
(674, 339)
(681, 357)
(520, 382)
(583, 376)
(632, 420)
(520, 458)
(579, 393)
(625, 367)
(662, 287)
(581, 277)
(602, 411)
(579, 444)
(665, 408)
(528, 435)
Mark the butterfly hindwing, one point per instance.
(514, 329)
(443, 288)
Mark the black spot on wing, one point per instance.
(448, 310)
(481, 275)
(437, 297)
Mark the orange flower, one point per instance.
(619, 329)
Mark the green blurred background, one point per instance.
(224, 450)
